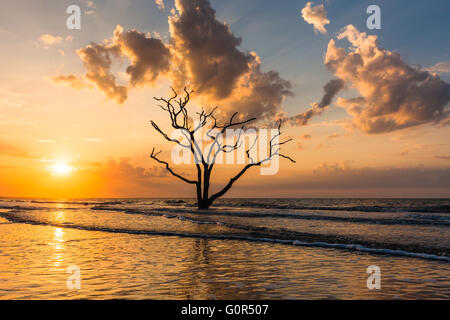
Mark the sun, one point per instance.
(61, 169)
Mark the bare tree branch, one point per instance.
(179, 118)
(155, 157)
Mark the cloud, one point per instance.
(149, 57)
(122, 169)
(48, 40)
(202, 54)
(97, 59)
(91, 8)
(9, 98)
(45, 141)
(7, 149)
(160, 4)
(260, 95)
(317, 16)
(394, 95)
(209, 51)
(334, 135)
(73, 81)
(442, 157)
(208, 58)
(343, 175)
(330, 90)
(441, 67)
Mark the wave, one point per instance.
(418, 220)
(261, 234)
(85, 203)
(362, 208)
(31, 208)
(418, 206)
(19, 208)
(172, 201)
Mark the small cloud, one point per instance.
(91, 6)
(48, 40)
(441, 67)
(45, 141)
(46, 160)
(321, 146)
(317, 16)
(124, 170)
(442, 157)
(13, 151)
(327, 168)
(21, 122)
(9, 98)
(160, 4)
(331, 89)
(334, 135)
(73, 81)
(61, 52)
(306, 136)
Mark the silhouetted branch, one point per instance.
(179, 117)
(272, 153)
(155, 157)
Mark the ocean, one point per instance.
(238, 249)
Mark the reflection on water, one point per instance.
(58, 245)
(34, 260)
(59, 216)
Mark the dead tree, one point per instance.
(205, 159)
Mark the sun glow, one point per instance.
(61, 169)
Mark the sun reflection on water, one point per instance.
(58, 246)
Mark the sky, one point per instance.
(367, 110)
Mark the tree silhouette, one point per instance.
(205, 159)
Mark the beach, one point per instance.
(240, 249)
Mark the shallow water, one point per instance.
(241, 249)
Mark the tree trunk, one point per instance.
(202, 204)
(203, 201)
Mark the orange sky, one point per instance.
(107, 144)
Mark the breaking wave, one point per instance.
(245, 233)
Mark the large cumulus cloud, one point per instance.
(209, 58)
(210, 52)
(393, 95)
(149, 58)
(202, 53)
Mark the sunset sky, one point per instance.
(75, 105)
